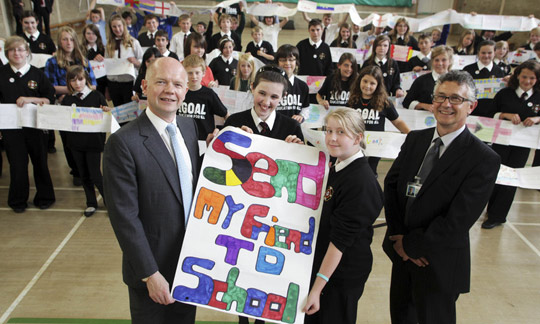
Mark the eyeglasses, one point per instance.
(288, 59)
(271, 68)
(453, 99)
(17, 50)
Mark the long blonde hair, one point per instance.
(126, 38)
(407, 35)
(62, 58)
(246, 57)
(351, 120)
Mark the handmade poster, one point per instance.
(126, 112)
(316, 7)
(75, 119)
(527, 178)
(267, 9)
(359, 54)
(9, 116)
(401, 53)
(490, 130)
(314, 82)
(98, 68)
(525, 136)
(28, 116)
(415, 119)
(520, 56)
(250, 239)
(461, 61)
(488, 88)
(39, 60)
(408, 78)
(235, 101)
(115, 66)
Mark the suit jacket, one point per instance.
(450, 201)
(283, 126)
(143, 196)
(145, 41)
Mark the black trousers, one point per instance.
(145, 311)
(373, 163)
(101, 85)
(536, 160)
(21, 144)
(120, 92)
(43, 19)
(88, 164)
(412, 301)
(339, 301)
(502, 196)
(69, 156)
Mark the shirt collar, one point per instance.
(166, 54)
(383, 61)
(421, 55)
(159, 124)
(435, 75)
(85, 92)
(316, 44)
(269, 121)
(340, 165)
(481, 66)
(150, 34)
(496, 61)
(520, 91)
(447, 139)
(223, 34)
(23, 70)
(227, 61)
(291, 79)
(94, 47)
(35, 34)
(259, 44)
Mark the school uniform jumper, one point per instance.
(283, 126)
(485, 107)
(22, 143)
(421, 90)
(314, 61)
(223, 70)
(390, 71)
(86, 148)
(264, 46)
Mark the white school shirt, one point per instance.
(331, 33)
(413, 103)
(340, 165)
(177, 44)
(269, 121)
(270, 34)
(133, 51)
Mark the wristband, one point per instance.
(320, 275)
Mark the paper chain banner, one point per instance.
(450, 16)
(65, 118)
(252, 228)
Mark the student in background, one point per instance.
(369, 96)
(439, 37)
(93, 49)
(43, 10)
(489, 35)
(329, 30)
(17, 7)
(133, 28)
(537, 51)
(39, 43)
(260, 48)
(97, 17)
(534, 37)
(123, 47)
(225, 30)
(224, 67)
(86, 147)
(150, 55)
(344, 38)
(296, 99)
(270, 29)
(147, 38)
(422, 61)
(315, 56)
(465, 45)
(520, 104)
(162, 42)
(205, 30)
(501, 53)
(246, 73)
(419, 95)
(380, 56)
(201, 103)
(335, 90)
(238, 24)
(196, 44)
(22, 83)
(353, 201)
(179, 39)
(166, 23)
(484, 68)
(402, 35)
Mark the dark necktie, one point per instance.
(265, 129)
(484, 70)
(354, 38)
(315, 46)
(324, 34)
(32, 38)
(400, 41)
(425, 59)
(151, 37)
(19, 74)
(79, 95)
(118, 45)
(380, 64)
(524, 96)
(184, 44)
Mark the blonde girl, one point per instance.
(245, 75)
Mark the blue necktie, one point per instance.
(183, 173)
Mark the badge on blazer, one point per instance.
(11, 80)
(384, 75)
(314, 56)
(536, 108)
(328, 194)
(322, 56)
(42, 46)
(476, 72)
(226, 69)
(233, 72)
(529, 104)
(391, 71)
(32, 84)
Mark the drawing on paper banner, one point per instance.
(253, 225)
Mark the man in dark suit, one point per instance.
(146, 193)
(434, 192)
(43, 9)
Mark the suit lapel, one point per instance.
(154, 144)
(421, 146)
(189, 138)
(456, 149)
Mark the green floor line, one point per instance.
(22, 320)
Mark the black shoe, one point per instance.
(77, 182)
(19, 210)
(89, 211)
(52, 150)
(45, 205)
(489, 224)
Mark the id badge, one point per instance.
(413, 188)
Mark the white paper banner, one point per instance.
(408, 78)
(39, 60)
(115, 66)
(314, 82)
(267, 9)
(9, 116)
(359, 54)
(235, 101)
(126, 112)
(520, 56)
(249, 244)
(461, 61)
(98, 68)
